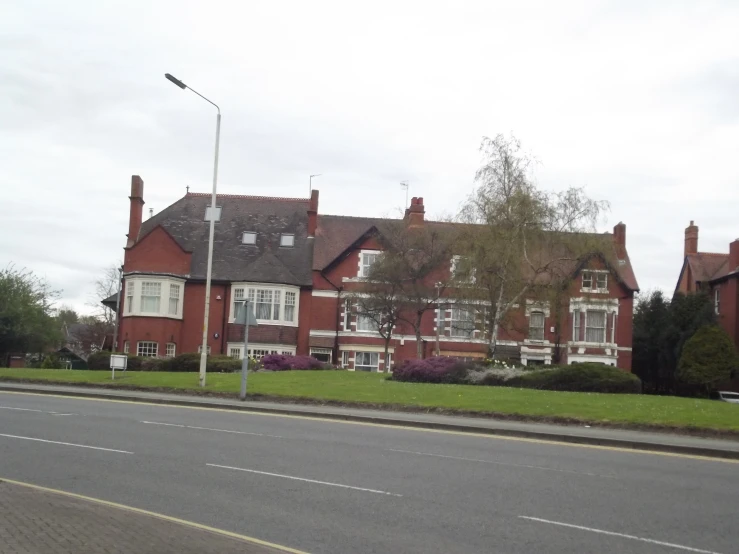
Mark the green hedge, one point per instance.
(585, 377)
(182, 363)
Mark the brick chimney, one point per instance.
(137, 210)
(691, 239)
(313, 213)
(619, 240)
(734, 255)
(414, 214)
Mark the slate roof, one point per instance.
(233, 261)
(336, 233)
(707, 266)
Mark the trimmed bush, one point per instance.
(281, 362)
(432, 370)
(50, 362)
(708, 358)
(585, 377)
(101, 361)
(181, 363)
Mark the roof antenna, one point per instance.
(310, 183)
(406, 186)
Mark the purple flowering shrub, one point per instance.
(432, 370)
(282, 362)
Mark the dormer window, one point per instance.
(250, 237)
(594, 281)
(287, 241)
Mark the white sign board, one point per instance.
(117, 361)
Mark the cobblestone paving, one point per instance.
(40, 522)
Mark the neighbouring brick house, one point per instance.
(298, 266)
(717, 275)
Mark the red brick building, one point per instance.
(717, 274)
(298, 268)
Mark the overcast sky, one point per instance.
(638, 102)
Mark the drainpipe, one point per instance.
(339, 290)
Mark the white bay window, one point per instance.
(270, 304)
(154, 296)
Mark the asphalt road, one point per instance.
(336, 487)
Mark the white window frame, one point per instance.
(260, 349)
(249, 238)
(366, 324)
(289, 300)
(593, 276)
(588, 326)
(126, 346)
(174, 288)
(147, 350)
(717, 300)
(363, 269)
(321, 350)
(134, 287)
(540, 330)
(455, 330)
(200, 349)
(151, 290)
(453, 270)
(345, 359)
(360, 356)
(576, 324)
(278, 294)
(171, 350)
(287, 240)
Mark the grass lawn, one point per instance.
(373, 388)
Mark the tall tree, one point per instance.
(414, 263)
(521, 234)
(66, 315)
(661, 329)
(27, 321)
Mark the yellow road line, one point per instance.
(157, 515)
(392, 426)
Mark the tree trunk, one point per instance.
(419, 342)
(496, 324)
(388, 338)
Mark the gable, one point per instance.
(158, 252)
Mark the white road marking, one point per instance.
(66, 443)
(306, 480)
(31, 410)
(501, 463)
(622, 535)
(211, 429)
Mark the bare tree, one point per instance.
(521, 235)
(106, 285)
(382, 304)
(414, 264)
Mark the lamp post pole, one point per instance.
(438, 319)
(211, 233)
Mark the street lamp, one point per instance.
(437, 286)
(209, 270)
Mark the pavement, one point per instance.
(35, 521)
(580, 434)
(335, 486)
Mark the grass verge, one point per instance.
(374, 390)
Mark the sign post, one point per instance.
(245, 318)
(117, 361)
